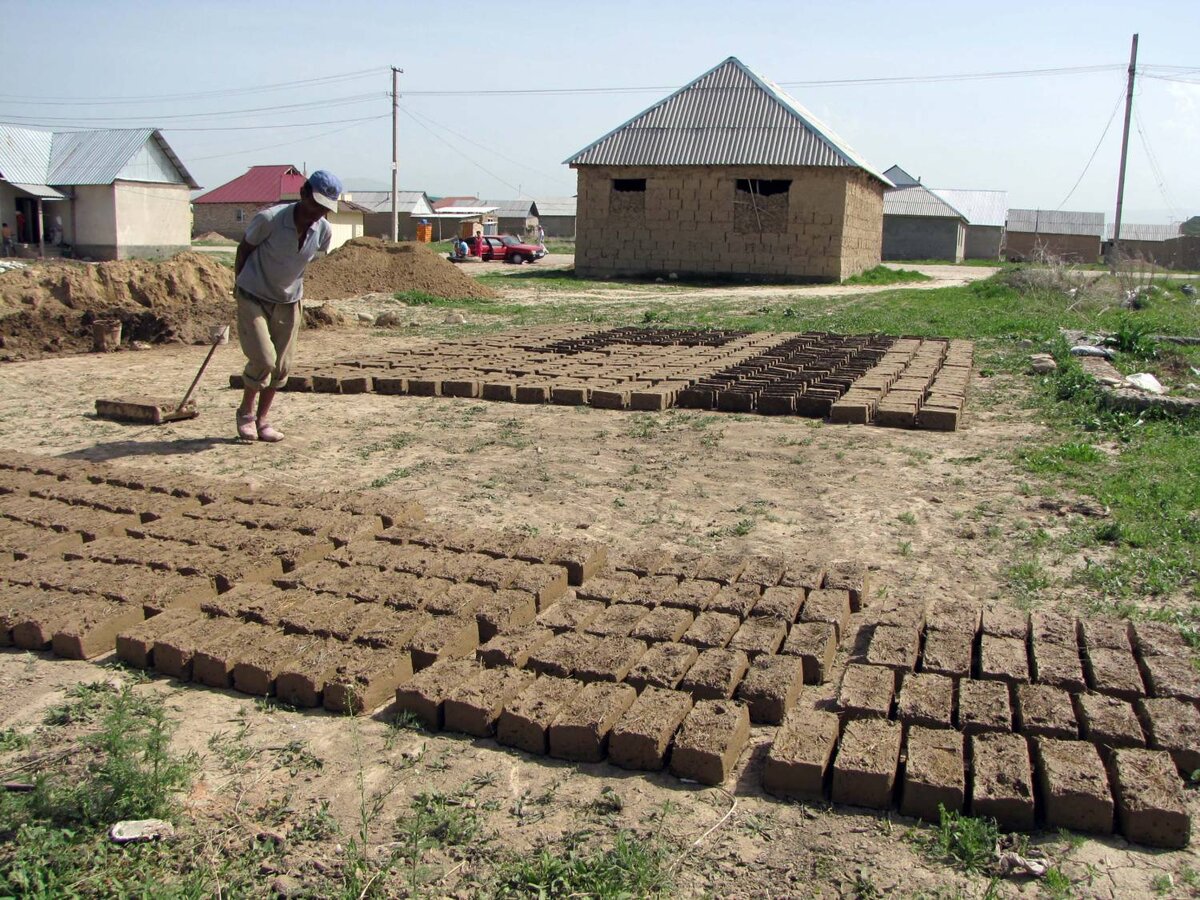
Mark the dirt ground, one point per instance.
(676, 479)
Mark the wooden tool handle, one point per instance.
(203, 366)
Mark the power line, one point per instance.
(1155, 169)
(348, 100)
(438, 137)
(307, 138)
(173, 129)
(1103, 135)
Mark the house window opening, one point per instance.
(629, 185)
(240, 215)
(628, 197)
(760, 206)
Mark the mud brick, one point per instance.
(605, 590)
(765, 571)
(173, 652)
(852, 412)
(1158, 639)
(547, 583)
(1002, 780)
(257, 670)
(926, 699)
(474, 707)
(301, 680)
(662, 624)
(902, 615)
(864, 771)
(771, 688)
(815, 643)
(1174, 726)
(642, 562)
(780, 603)
(710, 741)
(850, 576)
(1052, 628)
(691, 594)
(933, 774)
(1115, 672)
(938, 418)
(456, 600)
(91, 629)
(498, 574)
(715, 674)
(984, 706)
(581, 559)
(712, 629)
(560, 655)
(643, 736)
(803, 573)
(1151, 809)
(570, 394)
(389, 384)
(954, 615)
(610, 399)
(759, 636)
(947, 653)
(525, 721)
(504, 391)
(581, 730)
(1170, 676)
(215, 656)
(798, 760)
(1058, 666)
(1108, 721)
(504, 610)
(424, 694)
(608, 659)
(617, 620)
(442, 637)
(570, 614)
(682, 565)
(513, 648)
(456, 567)
(832, 606)
(1074, 786)
(1110, 634)
(1006, 621)
(1046, 711)
(663, 665)
(867, 691)
(135, 644)
(381, 628)
(736, 599)
(1003, 659)
(651, 400)
(455, 387)
(723, 568)
(894, 647)
(653, 590)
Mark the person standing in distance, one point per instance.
(278, 245)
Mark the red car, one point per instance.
(508, 248)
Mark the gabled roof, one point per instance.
(900, 178)
(513, 209)
(34, 155)
(728, 116)
(978, 207)
(261, 184)
(1131, 231)
(556, 206)
(408, 202)
(916, 200)
(442, 202)
(1056, 221)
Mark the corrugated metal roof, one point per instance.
(24, 154)
(1056, 221)
(381, 201)
(261, 184)
(899, 177)
(513, 209)
(917, 201)
(556, 206)
(1131, 231)
(978, 207)
(39, 190)
(727, 116)
(463, 211)
(442, 202)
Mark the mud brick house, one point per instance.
(1157, 244)
(985, 212)
(229, 208)
(517, 217)
(1074, 236)
(111, 194)
(918, 224)
(727, 176)
(556, 215)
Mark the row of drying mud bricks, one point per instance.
(917, 384)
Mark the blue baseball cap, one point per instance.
(326, 188)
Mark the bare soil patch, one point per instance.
(370, 265)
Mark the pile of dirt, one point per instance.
(49, 307)
(369, 265)
(213, 237)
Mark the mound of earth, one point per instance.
(49, 307)
(213, 237)
(368, 265)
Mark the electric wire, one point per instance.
(308, 138)
(329, 103)
(1155, 168)
(1103, 135)
(441, 139)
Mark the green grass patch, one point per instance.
(632, 867)
(886, 275)
(963, 841)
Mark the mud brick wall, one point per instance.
(692, 221)
(223, 218)
(1020, 245)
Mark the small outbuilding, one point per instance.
(411, 207)
(1071, 235)
(985, 212)
(917, 224)
(519, 217)
(1156, 244)
(556, 216)
(727, 176)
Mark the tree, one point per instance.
(1191, 226)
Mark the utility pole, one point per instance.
(395, 153)
(1115, 256)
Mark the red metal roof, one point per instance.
(443, 202)
(262, 184)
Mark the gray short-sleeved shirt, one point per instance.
(275, 270)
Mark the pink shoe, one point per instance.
(245, 427)
(267, 432)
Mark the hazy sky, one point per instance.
(1031, 136)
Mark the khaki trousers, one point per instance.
(267, 333)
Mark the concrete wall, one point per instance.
(380, 225)
(691, 220)
(923, 237)
(1020, 245)
(517, 225)
(346, 226)
(95, 221)
(558, 226)
(223, 218)
(152, 220)
(983, 242)
(1182, 252)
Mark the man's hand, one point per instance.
(245, 248)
